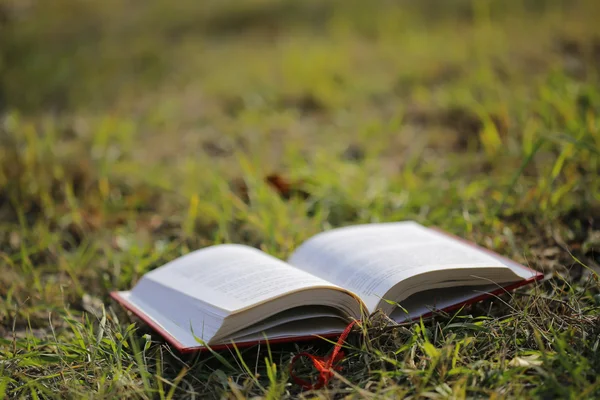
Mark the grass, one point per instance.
(132, 134)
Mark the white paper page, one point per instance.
(437, 299)
(228, 277)
(183, 334)
(304, 328)
(311, 315)
(371, 259)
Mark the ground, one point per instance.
(134, 132)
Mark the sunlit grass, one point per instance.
(130, 138)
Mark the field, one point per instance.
(134, 132)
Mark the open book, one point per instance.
(234, 293)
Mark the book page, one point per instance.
(170, 329)
(311, 315)
(438, 299)
(297, 329)
(228, 278)
(370, 259)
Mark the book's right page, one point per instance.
(392, 262)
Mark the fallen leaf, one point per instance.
(527, 361)
(285, 187)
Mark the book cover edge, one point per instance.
(115, 295)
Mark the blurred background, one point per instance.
(225, 69)
(161, 120)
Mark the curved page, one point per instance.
(371, 259)
(229, 278)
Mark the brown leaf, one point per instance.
(283, 186)
(286, 188)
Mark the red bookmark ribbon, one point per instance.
(325, 365)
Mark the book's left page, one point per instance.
(197, 292)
